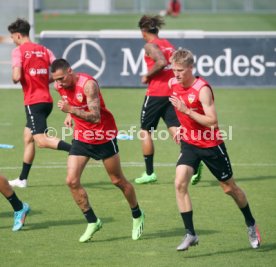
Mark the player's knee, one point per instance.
(28, 140)
(229, 190)
(145, 134)
(41, 142)
(72, 182)
(180, 186)
(119, 182)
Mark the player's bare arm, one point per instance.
(209, 119)
(91, 90)
(68, 122)
(153, 51)
(16, 74)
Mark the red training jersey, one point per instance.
(175, 6)
(84, 131)
(158, 84)
(35, 60)
(193, 132)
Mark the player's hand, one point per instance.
(64, 106)
(177, 136)
(179, 104)
(68, 122)
(145, 79)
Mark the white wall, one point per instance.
(99, 7)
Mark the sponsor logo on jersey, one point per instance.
(28, 54)
(34, 71)
(41, 71)
(39, 53)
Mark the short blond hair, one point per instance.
(182, 56)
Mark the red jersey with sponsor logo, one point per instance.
(193, 132)
(84, 131)
(158, 84)
(34, 59)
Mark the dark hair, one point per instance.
(21, 26)
(151, 24)
(59, 63)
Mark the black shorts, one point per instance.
(215, 158)
(97, 152)
(37, 115)
(154, 108)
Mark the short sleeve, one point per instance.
(16, 57)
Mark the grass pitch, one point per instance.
(50, 236)
(207, 22)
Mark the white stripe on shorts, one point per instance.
(114, 146)
(146, 102)
(28, 107)
(220, 150)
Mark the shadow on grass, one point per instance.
(51, 223)
(214, 182)
(105, 185)
(57, 223)
(238, 179)
(262, 249)
(160, 234)
(175, 232)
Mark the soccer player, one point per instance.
(94, 137)
(174, 8)
(20, 209)
(200, 139)
(30, 67)
(156, 103)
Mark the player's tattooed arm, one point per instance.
(160, 62)
(91, 90)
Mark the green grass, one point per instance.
(50, 236)
(208, 22)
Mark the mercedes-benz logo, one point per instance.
(86, 55)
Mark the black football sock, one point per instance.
(25, 171)
(136, 212)
(63, 146)
(249, 219)
(15, 202)
(187, 218)
(90, 216)
(149, 164)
